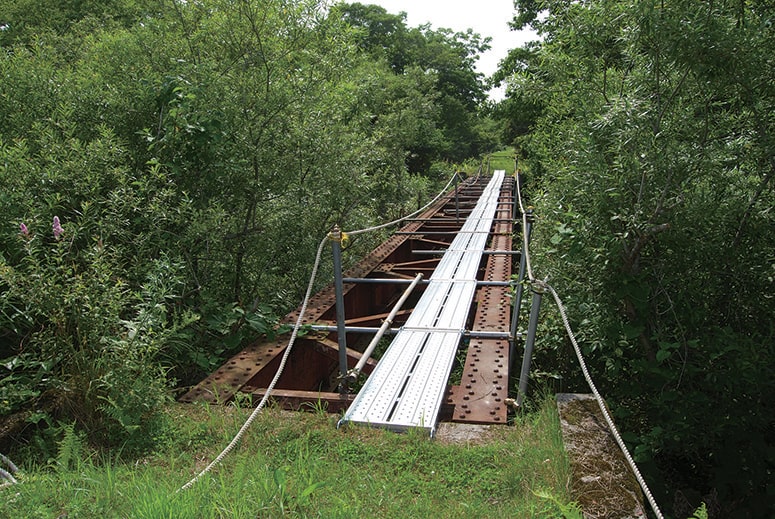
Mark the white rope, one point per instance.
(11, 467)
(7, 475)
(525, 248)
(292, 340)
(394, 222)
(600, 403)
(585, 371)
(269, 390)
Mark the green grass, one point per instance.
(300, 465)
(503, 159)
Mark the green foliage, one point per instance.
(195, 155)
(567, 511)
(25, 20)
(432, 94)
(70, 449)
(700, 513)
(650, 164)
(86, 337)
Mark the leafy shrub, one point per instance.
(84, 334)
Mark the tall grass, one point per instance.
(300, 465)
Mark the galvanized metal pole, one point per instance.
(515, 202)
(336, 245)
(457, 200)
(353, 373)
(538, 291)
(469, 334)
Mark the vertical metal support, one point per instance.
(538, 292)
(520, 282)
(336, 236)
(457, 199)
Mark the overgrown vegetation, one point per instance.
(647, 134)
(169, 168)
(193, 154)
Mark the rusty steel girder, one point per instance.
(310, 377)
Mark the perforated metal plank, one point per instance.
(411, 393)
(407, 388)
(424, 391)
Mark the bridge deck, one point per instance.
(407, 387)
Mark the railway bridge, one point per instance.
(442, 286)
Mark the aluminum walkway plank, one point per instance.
(406, 389)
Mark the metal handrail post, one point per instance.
(457, 199)
(336, 236)
(515, 210)
(538, 291)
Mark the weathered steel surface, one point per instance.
(309, 367)
(408, 385)
(261, 359)
(311, 372)
(305, 400)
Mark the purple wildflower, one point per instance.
(57, 227)
(23, 230)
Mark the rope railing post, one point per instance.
(514, 202)
(538, 288)
(352, 375)
(457, 199)
(515, 211)
(294, 334)
(336, 235)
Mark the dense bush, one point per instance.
(194, 155)
(651, 162)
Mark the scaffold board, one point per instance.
(407, 387)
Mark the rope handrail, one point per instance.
(543, 285)
(407, 217)
(601, 404)
(7, 475)
(297, 326)
(272, 384)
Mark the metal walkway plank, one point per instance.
(407, 387)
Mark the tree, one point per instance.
(448, 57)
(518, 113)
(379, 32)
(194, 159)
(22, 21)
(653, 149)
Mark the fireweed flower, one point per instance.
(57, 228)
(23, 230)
